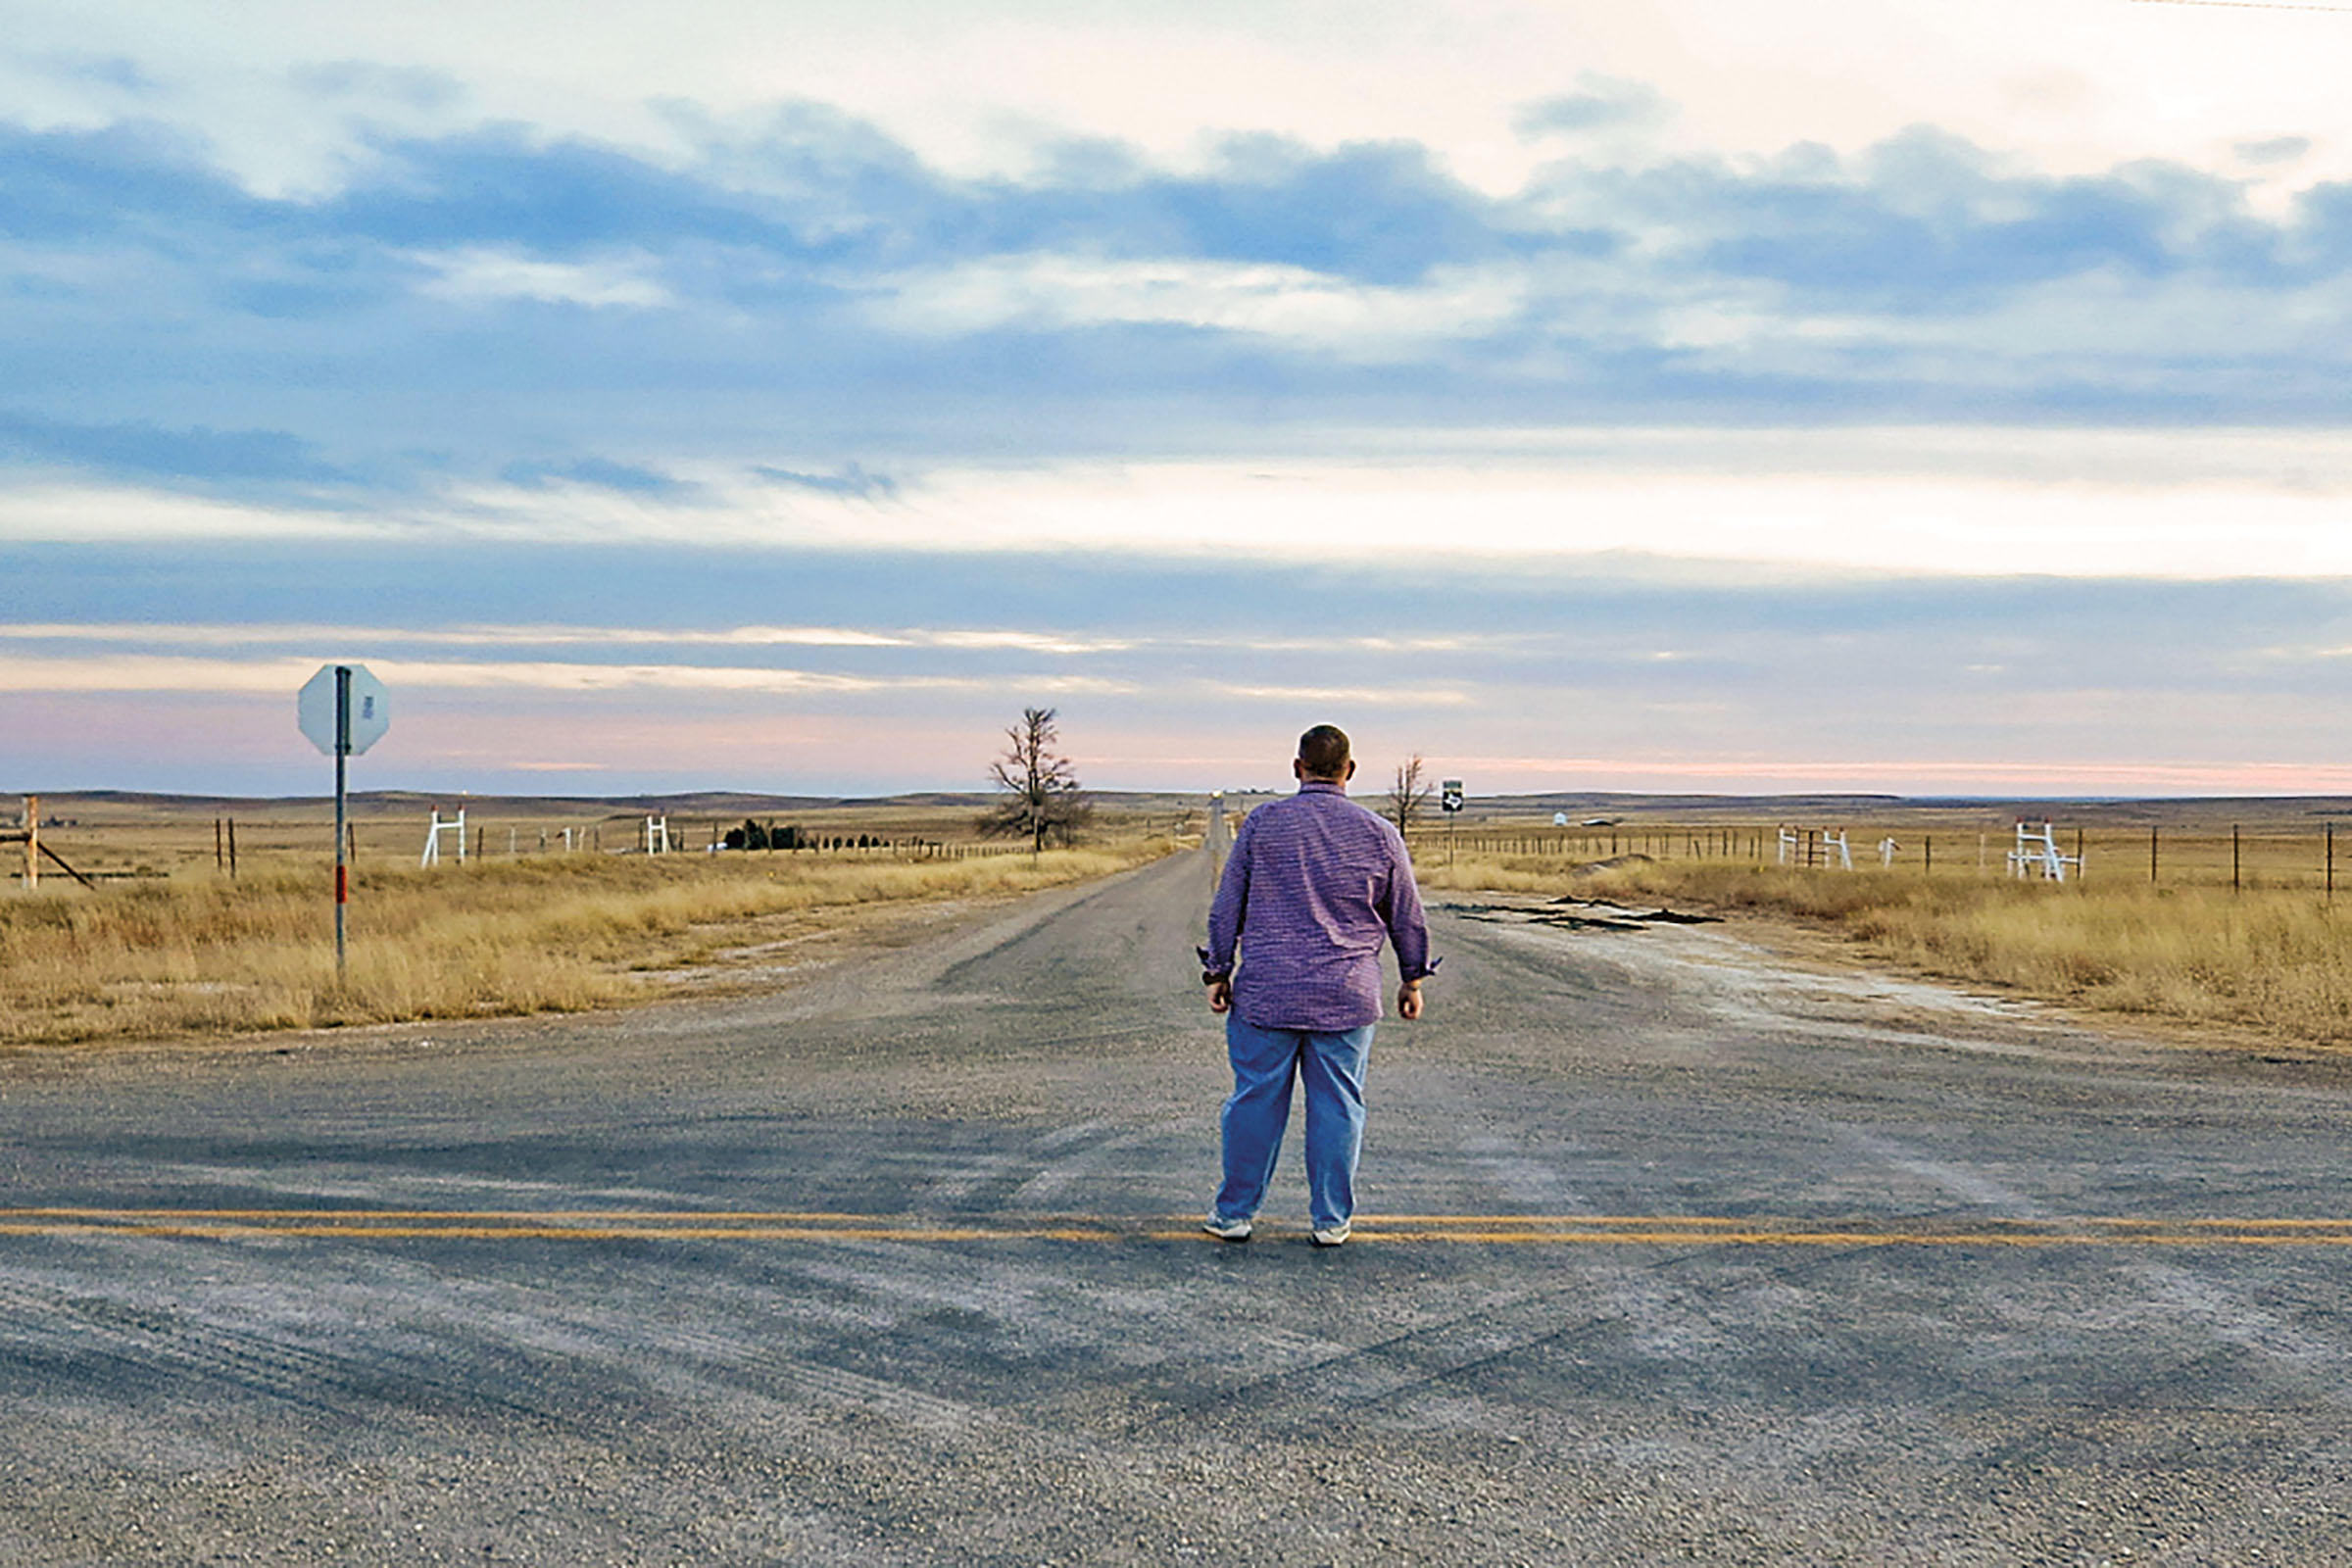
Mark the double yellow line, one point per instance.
(1750, 1231)
(1522, 1230)
(559, 1225)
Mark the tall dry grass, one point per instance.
(202, 953)
(2275, 961)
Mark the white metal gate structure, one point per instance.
(432, 838)
(1811, 849)
(2038, 850)
(656, 835)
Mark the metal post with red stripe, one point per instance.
(343, 709)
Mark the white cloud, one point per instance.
(1379, 696)
(1943, 500)
(153, 673)
(1953, 522)
(94, 513)
(160, 672)
(2077, 84)
(1022, 640)
(263, 633)
(1356, 320)
(476, 277)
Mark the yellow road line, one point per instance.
(577, 1233)
(1523, 1230)
(1860, 1238)
(735, 1215)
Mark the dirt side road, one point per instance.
(1672, 1254)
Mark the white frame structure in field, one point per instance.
(432, 837)
(2038, 850)
(1809, 849)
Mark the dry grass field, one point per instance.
(2235, 928)
(169, 944)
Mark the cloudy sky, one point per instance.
(1942, 396)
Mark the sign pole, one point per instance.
(343, 709)
(342, 861)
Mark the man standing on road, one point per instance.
(1312, 885)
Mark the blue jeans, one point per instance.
(1264, 1063)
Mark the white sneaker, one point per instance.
(1331, 1235)
(1226, 1230)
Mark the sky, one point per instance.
(1916, 396)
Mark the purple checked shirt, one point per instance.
(1312, 885)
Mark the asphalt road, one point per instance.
(1670, 1254)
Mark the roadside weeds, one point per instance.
(196, 954)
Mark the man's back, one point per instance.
(1314, 883)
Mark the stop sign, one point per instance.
(370, 709)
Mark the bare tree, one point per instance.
(1043, 799)
(1409, 797)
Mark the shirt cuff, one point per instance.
(1422, 973)
(1211, 969)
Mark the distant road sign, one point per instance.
(370, 709)
(1449, 795)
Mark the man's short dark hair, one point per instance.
(1323, 751)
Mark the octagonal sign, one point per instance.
(370, 709)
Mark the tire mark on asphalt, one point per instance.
(1360, 1376)
(2181, 1294)
(452, 1349)
(707, 1369)
(1099, 1142)
(176, 1338)
(955, 1188)
(1666, 1319)
(1490, 1341)
(2177, 1296)
(1976, 1187)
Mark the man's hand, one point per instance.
(1408, 1001)
(1220, 996)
